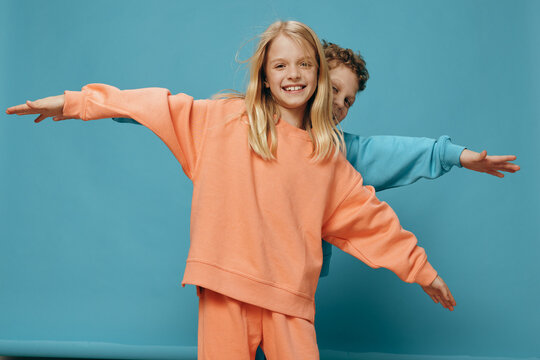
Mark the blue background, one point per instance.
(94, 216)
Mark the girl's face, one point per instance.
(344, 87)
(291, 73)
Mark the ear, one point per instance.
(266, 84)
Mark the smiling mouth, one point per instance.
(295, 88)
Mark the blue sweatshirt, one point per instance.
(391, 161)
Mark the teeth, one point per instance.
(293, 88)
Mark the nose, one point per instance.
(293, 73)
(338, 102)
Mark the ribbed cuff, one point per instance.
(73, 104)
(452, 153)
(426, 275)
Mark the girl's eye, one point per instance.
(305, 64)
(334, 89)
(279, 66)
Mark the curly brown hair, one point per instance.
(336, 55)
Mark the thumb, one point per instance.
(482, 155)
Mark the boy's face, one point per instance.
(291, 73)
(344, 87)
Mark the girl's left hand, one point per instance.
(439, 293)
(491, 164)
(49, 106)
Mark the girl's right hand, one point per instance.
(49, 106)
(439, 293)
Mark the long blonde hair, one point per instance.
(261, 108)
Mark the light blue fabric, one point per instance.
(390, 161)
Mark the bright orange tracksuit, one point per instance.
(256, 225)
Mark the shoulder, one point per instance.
(220, 113)
(344, 172)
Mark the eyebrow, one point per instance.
(285, 60)
(278, 60)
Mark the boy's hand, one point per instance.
(49, 106)
(439, 293)
(492, 165)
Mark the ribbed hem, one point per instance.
(73, 104)
(249, 290)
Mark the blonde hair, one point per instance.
(261, 108)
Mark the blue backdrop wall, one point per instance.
(94, 216)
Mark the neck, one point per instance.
(295, 117)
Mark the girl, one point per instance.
(269, 182)
(391, 161)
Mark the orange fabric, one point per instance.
(256, 225)
(231, 329)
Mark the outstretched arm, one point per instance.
(392, 161)
(369, 230)
(178, 120)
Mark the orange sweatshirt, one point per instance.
(256, 225)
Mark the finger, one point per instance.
(501, 166)
(445, 298)
(495, 173)
(434, 299)
(501, 158)
(59, 117)
(509, 167)
(482, 155)
(21, 109)
(442, 301)
(448, 305)
(450, 297)
(40, 118)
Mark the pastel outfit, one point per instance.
(256, 225)
(391, 161)
(232, 329)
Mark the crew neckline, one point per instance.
(292, 129)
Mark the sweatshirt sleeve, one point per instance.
(391, 161)
(369, 230)
(178, 120)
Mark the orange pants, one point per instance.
(231, 329)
